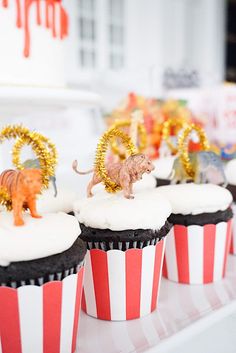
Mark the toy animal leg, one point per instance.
(174, 181)
(32, 207)
(17, 206)
(127, 189)
(199, 176)
(225, 182)
(94, 181)
(131, 190)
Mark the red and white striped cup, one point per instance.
(122, 285)
(41, 319)
(197, 254)
(233, 240)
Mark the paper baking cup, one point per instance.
(197, 254)
(121, 245)
(233, 239)
(122, 285)
(41, 319)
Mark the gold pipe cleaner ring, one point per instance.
(178, 124)
(142, 134)
(103, 145)
(183, 147)
(42, 147)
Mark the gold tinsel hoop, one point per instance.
(142, 137)
(103, 145)
(43, 148)
(183, 147)
(178, 124)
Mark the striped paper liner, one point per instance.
(122, 285)
(59, 276)
(41, 319)
(233, 240)
(197, 254)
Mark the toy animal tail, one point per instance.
(53, 180)
(75, 165)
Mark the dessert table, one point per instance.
(183, 312)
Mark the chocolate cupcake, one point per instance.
(198, 245)
(163, 170)
(230, 172)
(112, 222)
(41, 251)
(41, 273)
(125, 238)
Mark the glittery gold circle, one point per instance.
(142, 137)
(178, 124)
(42, 147)
(183, 147)
(103, 145)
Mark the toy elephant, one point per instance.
(202, 162)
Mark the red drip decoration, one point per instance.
(5, 3)
(18, 14)
(23, 16)
(38, 12)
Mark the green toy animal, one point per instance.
(202, 162)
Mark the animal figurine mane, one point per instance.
(122, 173)
(22, 187)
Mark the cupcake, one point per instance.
(230, 172)
(198, 244)
(125, 241)
(163, 170)
(41, 272)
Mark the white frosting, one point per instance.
(148, 210)
(148, 182)
(50, 235)
(230, 172)
(196, 198)
(63, 202)
(163, 167)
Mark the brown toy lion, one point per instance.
(22, 187)
(122, 173)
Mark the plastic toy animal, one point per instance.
(22, 187)
(34, 164)
(123, 173)
(202, 162)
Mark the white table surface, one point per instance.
(183, 311)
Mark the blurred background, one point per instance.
(70, 68)
(64, 65)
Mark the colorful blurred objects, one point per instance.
(155, 113)
(228, 152)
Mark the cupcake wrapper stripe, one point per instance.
(122, 285)
(41, 319)
(197, 254)
(233, 240)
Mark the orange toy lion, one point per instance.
(22, 187)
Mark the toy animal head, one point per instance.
(34, 164)
(31, 181)
(140, 163)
